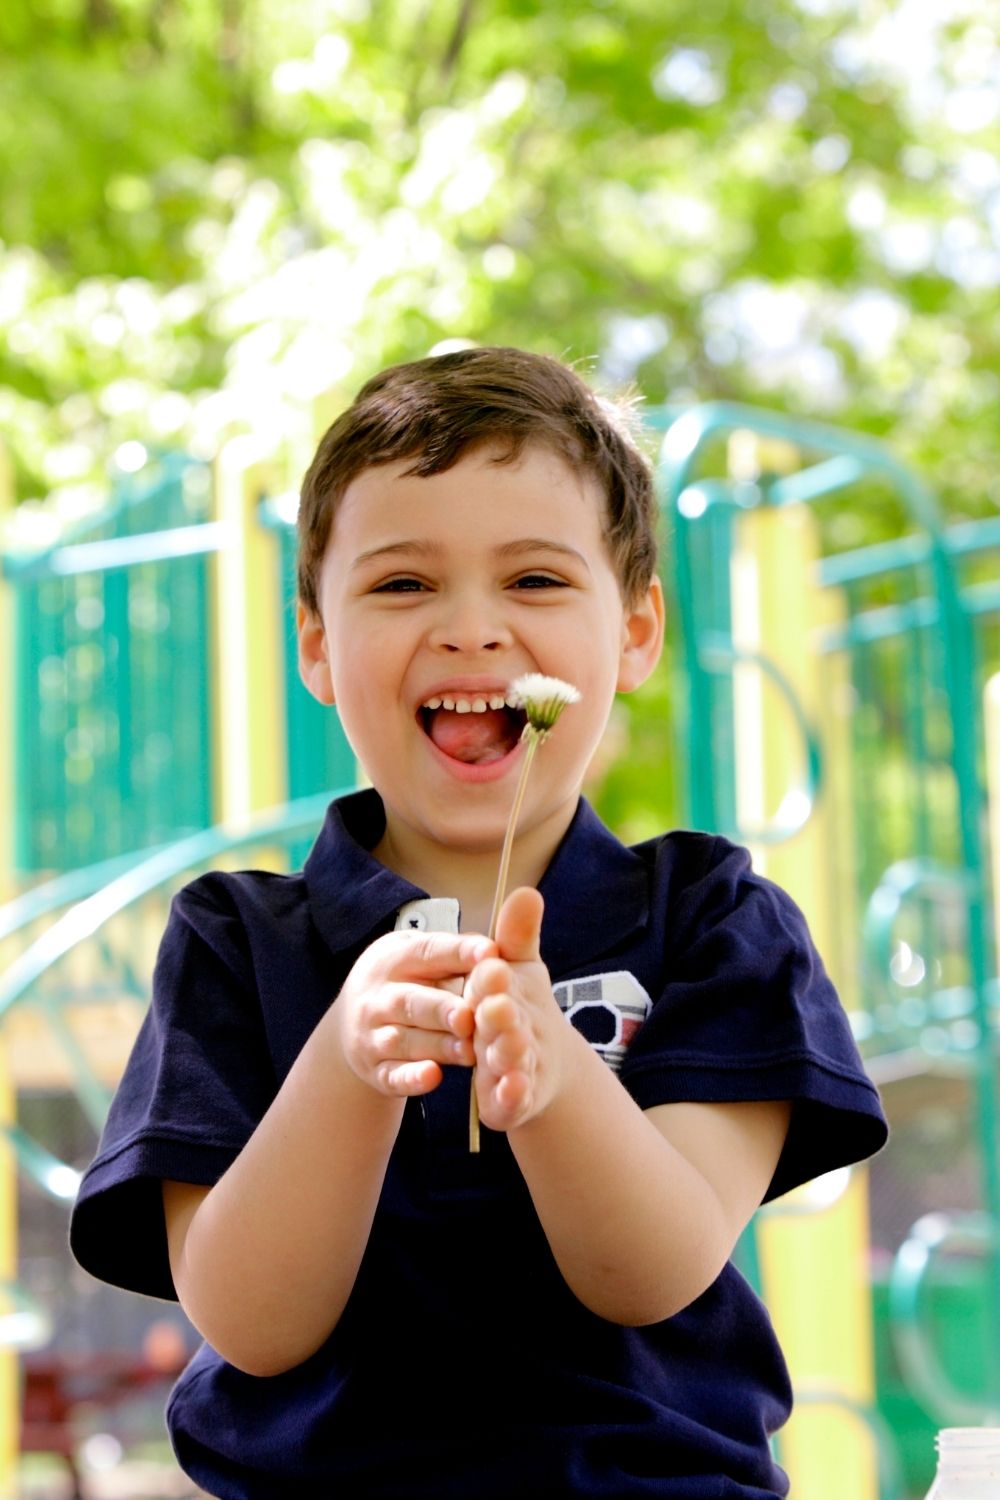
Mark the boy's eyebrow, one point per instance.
(508, 549)
(423, 549)
(539, 544)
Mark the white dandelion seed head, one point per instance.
(543, 698)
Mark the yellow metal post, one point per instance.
(814, 1260)
(250, 764)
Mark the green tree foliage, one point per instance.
(792, 201)
(210, 211)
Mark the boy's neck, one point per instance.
(469, 875)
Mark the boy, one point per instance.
(657, 1048)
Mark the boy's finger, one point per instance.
(408, 1078)
(519, 926)
(421, 1006)
(510, 1097)
(394, 1044)
(510, 1052)
(497, 1014)
(440, 955)
(492, 977)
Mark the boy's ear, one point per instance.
(314, 662)
(642, 638)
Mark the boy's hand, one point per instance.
(520, 1032)
(397, 1021)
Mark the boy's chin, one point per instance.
(466, 832)
(482, 834)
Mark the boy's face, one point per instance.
(448, 588)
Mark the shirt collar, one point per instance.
(350, 891)
(596, 894)
(596, 890)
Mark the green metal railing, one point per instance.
(36, 978)
(919, 633)
(114, 645)
(103, 912)
(974, 1236)
(111, 715)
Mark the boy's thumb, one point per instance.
(519, 925)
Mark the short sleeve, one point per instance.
(747, 1012)
(198, 1080)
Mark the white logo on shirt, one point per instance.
(607, 1009)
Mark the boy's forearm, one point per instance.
(270, 1255)
(635, 1228)
(265, 1262)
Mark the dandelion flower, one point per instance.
(543, 700)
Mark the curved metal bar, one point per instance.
(677, 473)
(87, 916)
(54, 1177)
(685, 438)
(685, 498)
(141, 875)
(900, 883)
(716, 652)
(824, 478)
(65, 889)
(921, 1368)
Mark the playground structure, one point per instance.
(834, 723)
(834, 712)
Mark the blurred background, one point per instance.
(778, 224)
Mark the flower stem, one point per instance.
(508, 838)
(532, 739)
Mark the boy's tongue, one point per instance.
(474, 738)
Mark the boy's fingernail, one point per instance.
(482, 949)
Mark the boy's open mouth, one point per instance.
(477, 729)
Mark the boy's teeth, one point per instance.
(477, 705)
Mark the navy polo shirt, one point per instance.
(696, 980)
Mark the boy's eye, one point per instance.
(399, 586)
(538, 581)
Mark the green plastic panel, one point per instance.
(112, 748)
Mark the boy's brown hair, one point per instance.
(437, 409)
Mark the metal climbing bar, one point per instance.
(865, 722)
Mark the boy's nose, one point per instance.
(469, 627)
